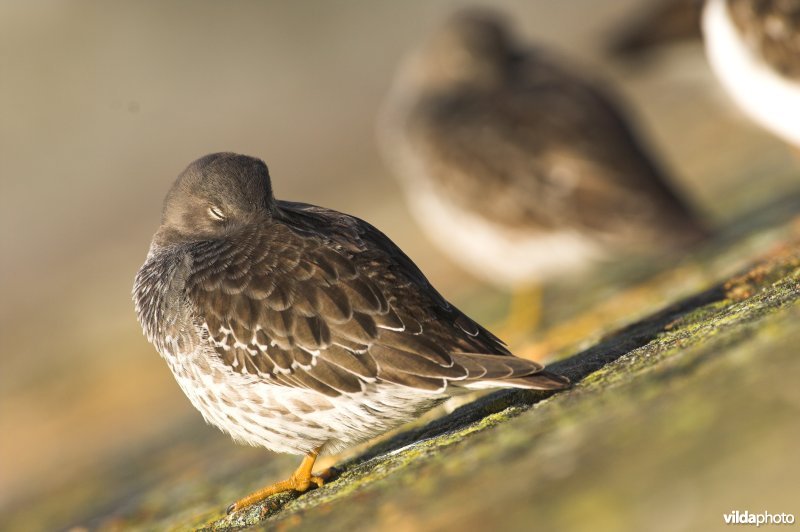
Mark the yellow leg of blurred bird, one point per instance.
(524, 315)
(612, 312)
(301, 480)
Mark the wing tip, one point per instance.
(546, 380)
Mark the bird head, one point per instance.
(214, 196)
(474, 47)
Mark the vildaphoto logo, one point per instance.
(764, 518)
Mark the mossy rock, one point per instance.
(687, 412)
(673, 421)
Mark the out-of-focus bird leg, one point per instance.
(524, 315)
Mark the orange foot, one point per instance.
(300, 481)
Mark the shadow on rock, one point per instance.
(576, 367)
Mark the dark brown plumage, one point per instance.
(312, 280)
(521, 164)
(299, 328)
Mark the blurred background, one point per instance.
(102, 105)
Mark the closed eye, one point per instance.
(216, 213)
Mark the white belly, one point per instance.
(495, 253)
(292, 420)
(767, 97)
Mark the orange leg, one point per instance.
(300, 481)
(523, 316)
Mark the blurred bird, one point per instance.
(520, 165)
(302, 329)
(654, 24)
(754, 48)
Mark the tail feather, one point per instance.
(503, 371)
(544, 380)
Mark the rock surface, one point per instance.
(684, 414)
(675, 420)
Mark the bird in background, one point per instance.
(654, 24)
(753, 47)
(301, 329)
(522, 166)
